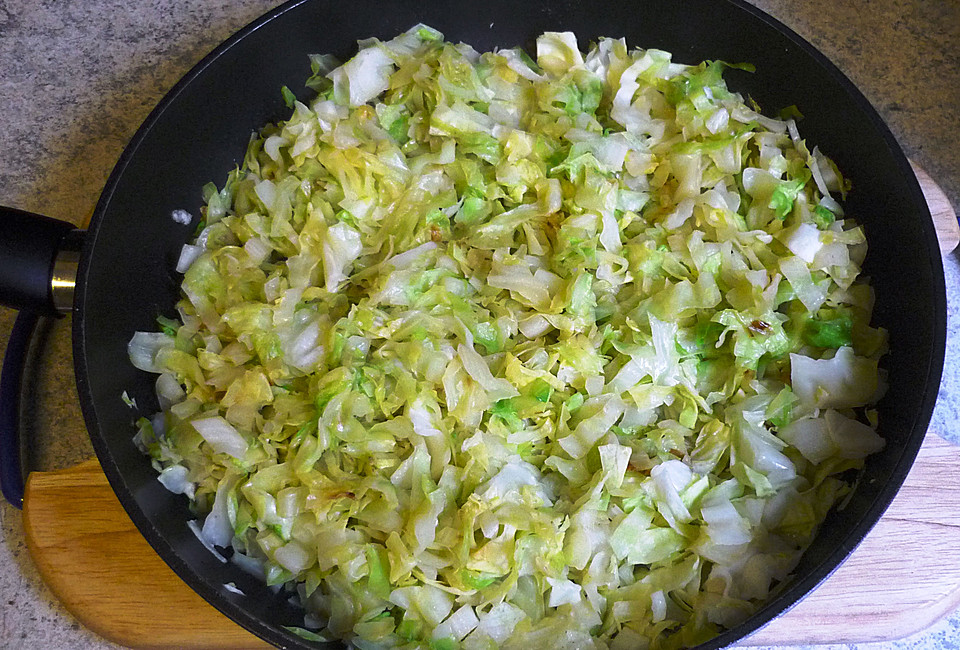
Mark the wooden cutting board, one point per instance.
(901, 579)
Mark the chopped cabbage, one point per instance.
(481, 351)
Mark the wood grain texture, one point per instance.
(97, 563)
(901, 579)
(944, 216)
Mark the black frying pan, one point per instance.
(200, 130)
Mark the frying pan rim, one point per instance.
(776, 606)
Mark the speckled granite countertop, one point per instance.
(78, 76)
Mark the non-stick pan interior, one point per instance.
(200, 131)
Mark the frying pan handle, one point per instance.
(35, 252)
(38, 264)
(14, 361)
